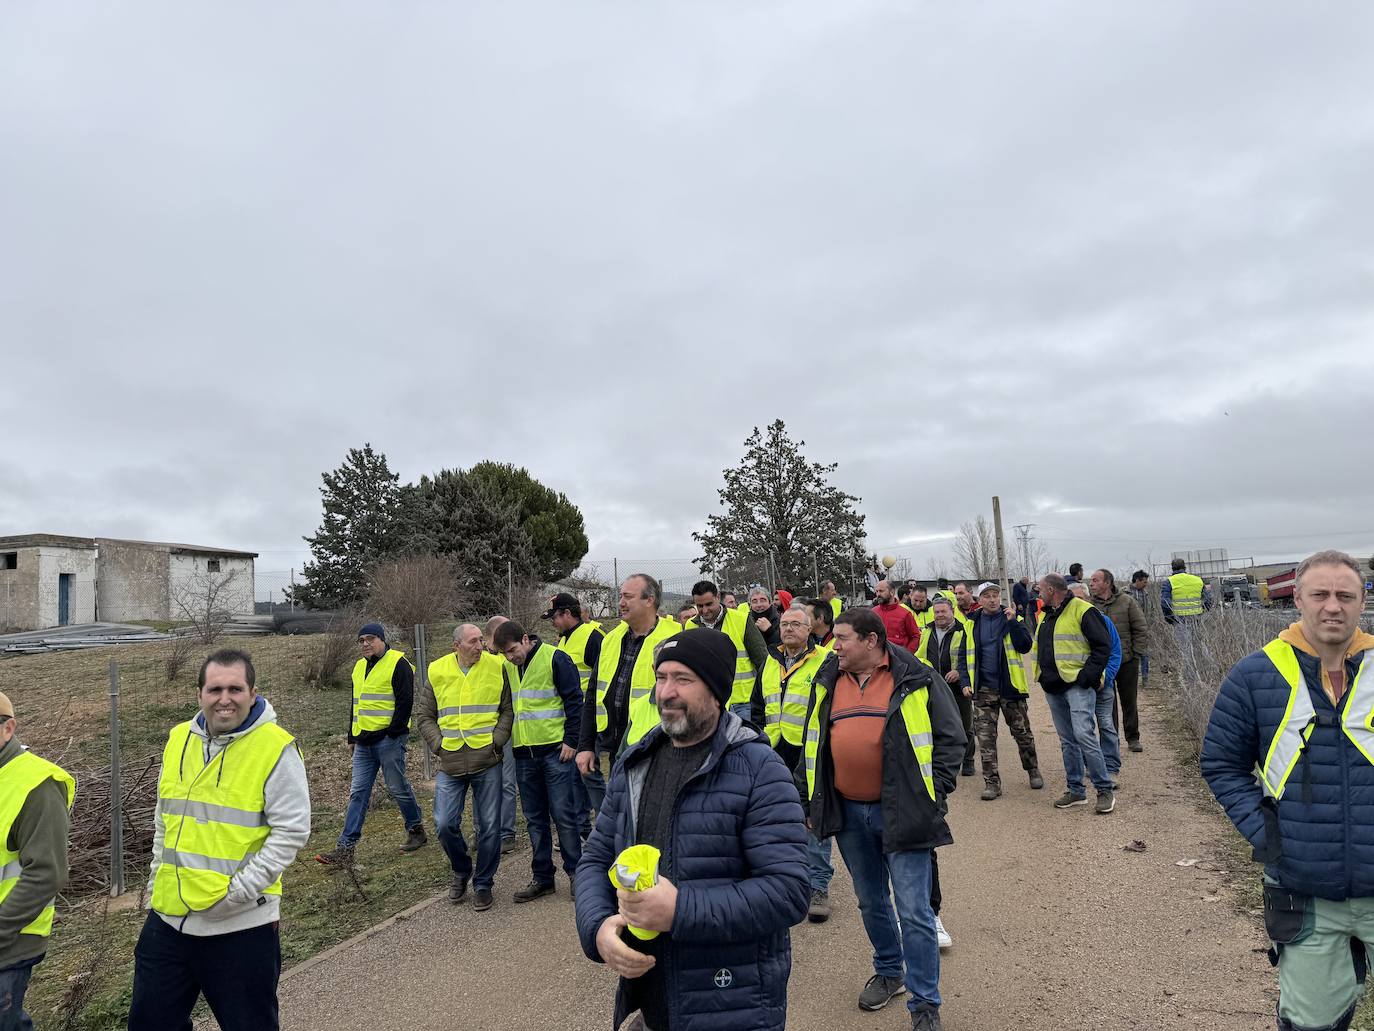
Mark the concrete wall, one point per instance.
(133, 581)
(188, 577)
(29, 594)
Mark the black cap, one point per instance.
(707, 653)
(562, 600)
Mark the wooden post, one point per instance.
(1001, 550)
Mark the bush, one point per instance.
(334, 651)
(415, 589)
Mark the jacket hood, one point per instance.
(261, 712)
(1361, 642)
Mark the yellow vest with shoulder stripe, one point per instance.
(733, 625)
(374, 704)
(574, 645)
(786, 694)
(915, 720)
(1187, 592)
(963, 640)
(836, 606)
(1071, 648)
(539, 715)
(1300, 718)
(468, 703)
(18, 779)
(642, 713)
(213, 814)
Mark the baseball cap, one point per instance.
(987, 585)
(561, 600)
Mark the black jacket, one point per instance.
(1099, 638)
(1021, 640)
(911, 820)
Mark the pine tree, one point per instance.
(779, 504)
(360, 528)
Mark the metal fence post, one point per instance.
(422, 679)
(510, 590)
(116, 791)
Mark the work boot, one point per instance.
(926, 1020)
(1135, 746)
(991, 791)
(458, 890)
(508, 845)
(415, 838)
(819, 910)
(1106, 802)
(968, 770)
(533, 890)
(1068, 800)
(481, 900)
(880, 991)
(337, 859)
(1036, 781)
(942, 936)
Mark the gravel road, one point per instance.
(1054, 926)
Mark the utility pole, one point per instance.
(1023, 544)
(1001, 549)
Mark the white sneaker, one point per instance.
(941, 935)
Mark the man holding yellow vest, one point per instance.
(750, 651)
(35, 799)
(378, 732)
(1299, 711)
(547, 703)
(465, 718)
(882, 750)
(233, 808)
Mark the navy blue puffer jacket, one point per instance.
(1325, 818)
(739, 863)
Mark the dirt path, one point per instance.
(1054, 926)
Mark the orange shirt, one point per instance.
(857, 717)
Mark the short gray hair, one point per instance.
(1330, 557)
(652, 588)
(940, 599)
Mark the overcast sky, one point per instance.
(1110, 261)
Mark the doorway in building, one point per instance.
(64, 598)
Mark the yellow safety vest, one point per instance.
(374, 704)
(1071, 648)
(916, 718)
(965, 641)
(1300, 718)
(539, 715)
(924, 618)
(733, 625)
(214, 816)
(836, 606)
(18, 779)
(574, 645)
(1187, 594)
(643, 714)
(468, 703)
(786, 694)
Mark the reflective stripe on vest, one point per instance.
(18, 779)
(213, 815)
(642, 712)
(786, 694)
(915, 720)
(1187, 594)
(575, 647)
(468, 703)
(374, 705)
(1071, 649)
(733, 625)
(539, 715)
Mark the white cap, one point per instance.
(988, 585)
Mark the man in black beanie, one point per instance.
(723, 912)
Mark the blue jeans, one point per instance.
(1075, 719)
(450, 795)
(548, 788)
(595, 782)
(818, 862)
(1144, 670)
(908, 938)
(1107, 737)
(389, 756)
(13, 983)
(508, 792)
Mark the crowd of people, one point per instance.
(737, 745)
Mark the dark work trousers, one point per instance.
(1127, 715)
(237, 973)
(966, 714)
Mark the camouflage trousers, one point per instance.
(986, 706)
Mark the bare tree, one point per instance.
(597, 594)
(975, 550)
(937, 568)
(1029, 558)
(415, 589)
(331, 652)
(901, 571)
(202, 600)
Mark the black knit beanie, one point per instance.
(707, 653)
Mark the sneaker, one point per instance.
(1135, 746)
(941, 935)
(880, 991)
(1106, 802)
(926, 1020)
(968, 770)
(415, 839)
(481, 900)
(508, 845)
(337, 859)
(1068, 800)
(991, 791)
(534, 890)
(1036, 781)
(458, 890)
(819, 910)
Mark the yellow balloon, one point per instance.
(889, 561)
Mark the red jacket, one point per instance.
(901, 626)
